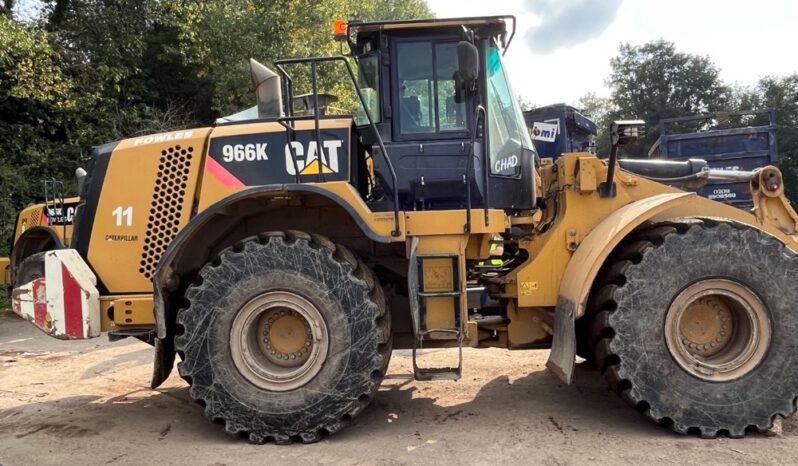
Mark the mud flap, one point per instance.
(65, 303)
(563, 346)
(163, 361)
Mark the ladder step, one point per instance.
(438, 373)
(442, 373)
(436, 294)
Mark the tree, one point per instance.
(36, 99)
(7, 8)
(601, 110)
(219, 36)
(653, 81)
(782, 94)
(84, 72)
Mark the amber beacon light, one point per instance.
(340, 29)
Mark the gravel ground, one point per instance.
(88, 402)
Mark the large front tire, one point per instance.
(697, 327)
(286, 337)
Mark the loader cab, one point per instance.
(429, 114)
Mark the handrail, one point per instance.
(288, 91)
(56, 188)
(314, 61)
(479, 111)
(319, 148)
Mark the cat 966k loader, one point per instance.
(283, 257)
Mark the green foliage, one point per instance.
(654, 81)
(782, 94)
(219, 36)
(36, 97)
(602, 111)
(92, 71)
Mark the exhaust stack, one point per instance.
(267, 90)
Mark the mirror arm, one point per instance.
(607, 188)
(479, 114)
(622, 132)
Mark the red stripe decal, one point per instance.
(39, 302)
(221, 173)
(73, 308)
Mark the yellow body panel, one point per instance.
(133, 310)
(213, 188)
(381, 223)
(585, 263)
(120, 311)
(438, 276)
(5, 272)
(448, 222)
(146, 200)
(538, 280)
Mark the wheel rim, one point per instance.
(279, 341)
(717, 330)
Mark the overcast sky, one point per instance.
(562, 47)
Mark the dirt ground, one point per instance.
(88, 402)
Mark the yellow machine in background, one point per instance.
(5, 270)
(283, 257)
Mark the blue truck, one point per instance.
(741, 141)
(559, 128)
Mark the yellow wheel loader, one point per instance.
(282, 257)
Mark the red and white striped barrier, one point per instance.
(65, 303)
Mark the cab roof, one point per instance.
(499, 24)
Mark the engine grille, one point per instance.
(166, 207)
(35, 218)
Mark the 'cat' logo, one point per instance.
(308, 161)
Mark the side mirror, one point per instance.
(624, 132)
(467, 64)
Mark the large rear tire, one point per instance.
(286, 337)
(696, 327)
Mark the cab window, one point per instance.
(508, 133)
(426, 88)
(368, 80)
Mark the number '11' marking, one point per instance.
(127, 214)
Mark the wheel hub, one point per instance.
(717, 330)
(287, 337)
(279, 341)
(706, 326)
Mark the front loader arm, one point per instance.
(771, 207)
